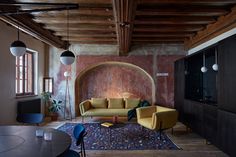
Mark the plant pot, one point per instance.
(54, 116)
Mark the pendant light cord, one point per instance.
(18, 31)
(204, 59)
(216, 56)
(67, 28)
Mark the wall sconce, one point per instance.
(204, 68)
(215, 66)
(48, 84)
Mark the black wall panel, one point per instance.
(227, 132)
(227, 74)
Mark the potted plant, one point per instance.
(46, 96)
(54, 108)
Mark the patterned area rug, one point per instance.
(120, 137)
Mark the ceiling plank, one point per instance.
(182, 12)
(154, 35)
(173, 28)
(35, 29)
(95, 42)
(64, 34)
(78, 19)
(89, 39)
(192, 2)
(223, 24)
(80, 11)
(124, 13)
(174, 20)
(79, 27)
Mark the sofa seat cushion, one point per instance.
(115, 103)
(106, 112)
(146, 122)
(99, 102)
(131, 103)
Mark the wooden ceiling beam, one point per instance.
(223, 24)
(174, 21)
(191, 2)
(110, 35)
(80, 11)
(158, 39)
(177, 28)
(95, 42)
(89, 39)
(157, 42)
(35, 29)
(78, 28)
(88, 32)
(182, 12)
(124, 13)
(154, 35)
(78, 20)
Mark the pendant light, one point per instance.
(67, 57)
(204, 68)
(18, 48)
(215, 66)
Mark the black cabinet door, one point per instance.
(227, 74)
(227, 132)
(179, 87)
(210, 123)
(193, 114)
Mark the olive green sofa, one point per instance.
(107, 107)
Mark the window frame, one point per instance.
(24, 93)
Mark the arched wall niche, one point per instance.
(114, 80)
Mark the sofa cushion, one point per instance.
(131, 102)
(115, 103)
(106, 112)
(99, 102)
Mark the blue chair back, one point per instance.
(30, 118)
(79, 132)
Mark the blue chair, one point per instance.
(30, 118)
(79, 133)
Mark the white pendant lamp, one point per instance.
(204, 68)
(215, 66)
(18, 48)
(67, 57)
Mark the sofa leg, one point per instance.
(172, 131)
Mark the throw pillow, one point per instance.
(116, 103)
(131, 102)
(99, 102)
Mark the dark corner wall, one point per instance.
(213, 116)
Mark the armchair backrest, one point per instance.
(164, 120)
(79, 132)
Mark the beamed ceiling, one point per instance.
(128, 22)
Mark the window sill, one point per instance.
(25, 96)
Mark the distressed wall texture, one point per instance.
(151, 58)
(115, 81)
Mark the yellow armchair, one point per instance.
(157, 117)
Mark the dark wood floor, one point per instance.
(192, 145)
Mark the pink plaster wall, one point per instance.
(112, 81)
(165, 84)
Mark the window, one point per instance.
(48, 84)
(25, 74)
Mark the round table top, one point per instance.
(21, 141)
